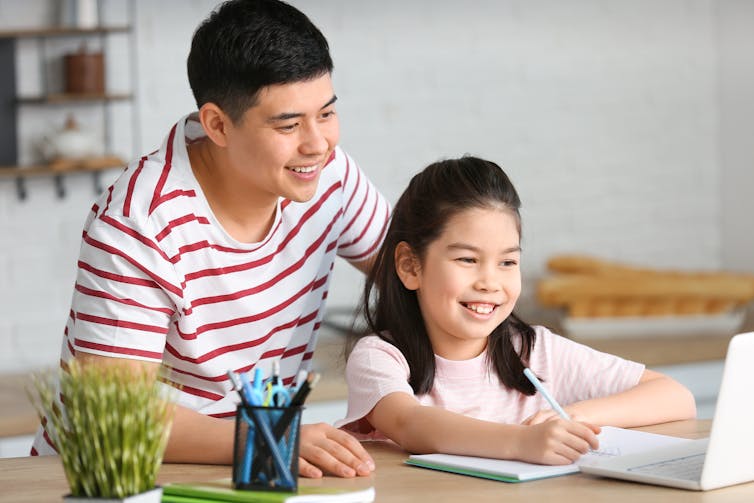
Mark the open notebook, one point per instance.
(613, 442)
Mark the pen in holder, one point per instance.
(265, 449)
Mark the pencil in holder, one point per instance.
(265, 449)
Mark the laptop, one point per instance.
(723, 459)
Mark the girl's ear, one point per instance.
(215, 123)
(407, 266)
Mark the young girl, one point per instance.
(444, 372)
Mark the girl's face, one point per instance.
(468, 282)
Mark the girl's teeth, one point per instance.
(304, 170)
(480, 308)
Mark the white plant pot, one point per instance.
(151, 496)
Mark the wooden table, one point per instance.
(41, 479)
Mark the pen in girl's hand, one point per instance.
(550, 399)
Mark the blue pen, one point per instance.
(243, 387)
(254, 397)
(248, 390)
(258, 385)
(283, 471)
(550, 399)
(252, 390)
(257, 398)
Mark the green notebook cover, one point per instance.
(222, 491)
(494, 469)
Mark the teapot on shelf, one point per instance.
(69, 143)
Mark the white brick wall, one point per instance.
(605, 114)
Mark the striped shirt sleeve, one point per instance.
(125, 294)
(366, 213)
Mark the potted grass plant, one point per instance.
(112, 432)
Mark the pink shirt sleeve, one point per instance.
(574, 372)
(374, 370)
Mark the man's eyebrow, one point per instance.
(332, 100)
(293, 115)
(465, 246)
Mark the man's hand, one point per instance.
(326, 449)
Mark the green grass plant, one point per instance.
(111, 433)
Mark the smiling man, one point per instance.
(215, 252)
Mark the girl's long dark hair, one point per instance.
(392, 311)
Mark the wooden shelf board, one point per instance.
(62, 98)
(62, 31)
(7, 172)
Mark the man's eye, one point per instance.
(509, 263)
(466, 260)
(327, 115)
(287, 128)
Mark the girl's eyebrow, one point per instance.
(465, 246)
(293, 115)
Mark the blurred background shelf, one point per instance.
(62, 167)
(74, 82)
(67, 98)
(62, 31)
(57, 169)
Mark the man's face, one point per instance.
(280, 145)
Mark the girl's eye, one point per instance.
(466, 260)
(509, 263)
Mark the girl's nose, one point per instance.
(487, 281)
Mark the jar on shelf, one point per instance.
(84, 72)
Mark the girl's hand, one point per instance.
(326, 449)
(556, 441)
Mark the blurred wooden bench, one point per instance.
(17, 415)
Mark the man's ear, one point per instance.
(215, 123)
(407, 266)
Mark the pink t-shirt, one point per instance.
(571, 371)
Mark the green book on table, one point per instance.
(614, 442)
(222, 491)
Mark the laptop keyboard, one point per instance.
(686, 468)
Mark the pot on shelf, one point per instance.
(71, 142)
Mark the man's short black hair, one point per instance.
(246, 45)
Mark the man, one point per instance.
(215, 252)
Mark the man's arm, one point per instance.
(196, 438)
(365, 265)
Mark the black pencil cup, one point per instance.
(265, 449)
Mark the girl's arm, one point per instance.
(655, 399)
(424, 429)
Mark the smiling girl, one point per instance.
(443, 371)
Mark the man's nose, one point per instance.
(313, 141)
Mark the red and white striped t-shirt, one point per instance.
(160, 280)
(571, 371)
